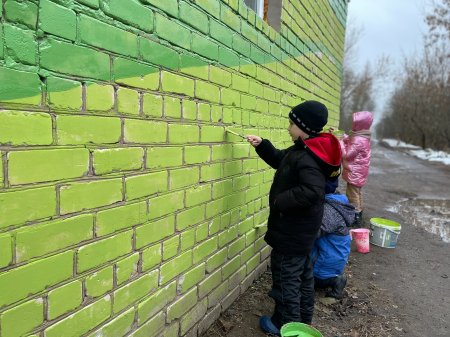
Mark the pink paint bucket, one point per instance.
(361, 237)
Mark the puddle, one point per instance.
(431, 214)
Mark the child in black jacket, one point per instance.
(296, 202)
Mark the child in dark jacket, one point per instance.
(296, 206)
(332, 248)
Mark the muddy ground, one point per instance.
(390, 292)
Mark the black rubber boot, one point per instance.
(337, 291)
(357, 223)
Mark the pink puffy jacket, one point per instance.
(356, 150)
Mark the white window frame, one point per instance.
(259, 7)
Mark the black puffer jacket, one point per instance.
(297, 194)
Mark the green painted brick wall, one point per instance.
(125, 207)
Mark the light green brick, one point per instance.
(38, 128)
(175, 267)
(44, 273)
(158, 54)
(20, 44)
(102, 251)
(135, 74)
(140, 131)
(221, 32)
(157, 301)
(193, 65)
(20, 87)
(193, 316)
(151, 257)
(152, 105)
(145, 185)
(135, 290)
(166, 204)
(131, 12)
(190, 217)
(172, 31)
(99, 97)
(209, 283)
(181, 134)
(48, 165)
(162, 157)
(168, 6)
(223, 151)
(128, 101)
(216, 260)
(6, 250)
(22, 318)
(198, 195)
(230, 267)
(100, 282)
(205, 47)
(204, 249)
(189, 109)
(127, 268)
(187, 239)
(153, 326)
(211, 172)
(19, 207)
(171, 247)
(197, 154)
(57, 20)
(75, 130)
(172, 107)
(204, 112)
(115, 160)
(193, 17)
(38, 240)
(82, 321)
(119, 326)
(177, 84)
(117, 218)
(192, 277)
(155, 231)
(219, 76)
(207, 91)
(64, 94)
(76, 197)
(236, 247)
(182, 305)
(64, 299)
(183, 177)
(231, 19)
(201, 232)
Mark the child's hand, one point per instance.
(254, 140)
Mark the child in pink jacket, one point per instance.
(356, 160)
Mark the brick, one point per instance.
(218, 294)
(223, 151)
(76, 197)
(211, 6)
(171, 247)
(64, 94)
(22, 318)
(44, 273)
(193, 316)
(162, 157)
(157, 301)
(57, 20)
(204, 249)
(6, 250)
(209, 319)
(2, 54)
(193, 17)
(145, 184)
(209, 283)
(152, 326)
(38, 240)
(241, 45)
(236, 247)
(166, 204)
(102, 251)
(38, 128)
(219, 76)
(119, 326)
(21, 44)
(127, 268)
(205, 47)
(190, 217)
(99, 97)
(216, 260)
(201, 232)
(67, 58)
(183, 177)
(64, 299)
(211, 172)
(135, 290)
(207, 91)
(221, 33)
(90, 3)
(100, 282)
(151, 257)
(115, 160)
(25, 13)
(117, 218)
(20, 87)
(154, 231)
(102, 35)
(19, 207)
(192, 65)
(135, 74)
(240, 83)
(182, 305)
(159, 54)
(189, 109)
(228, 58)
(172, 107)
(175, 267)
(152, 105)
(191, 278)
(48, 165)
(132, 13)
(87, 129)
(177, 84)
(230, 267)
(196, 154)
(168, 6)
(82, 321)
(198, 195)
(140, 131)
(173, 32)
(128, 101)
(181, 134)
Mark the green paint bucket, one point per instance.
(384, 232)
(295, 329)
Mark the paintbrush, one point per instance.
(235, 133)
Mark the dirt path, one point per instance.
(391, 292)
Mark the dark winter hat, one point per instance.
(331, 185)
(310, 116)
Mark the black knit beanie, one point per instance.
(310, 116)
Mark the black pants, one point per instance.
(292, 289)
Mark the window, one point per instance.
(257, 6)
(268, 10)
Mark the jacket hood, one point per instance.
(326, 149)
(338, 215)
(362, 120)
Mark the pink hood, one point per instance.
(356, 150)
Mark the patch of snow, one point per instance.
(416, 151)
